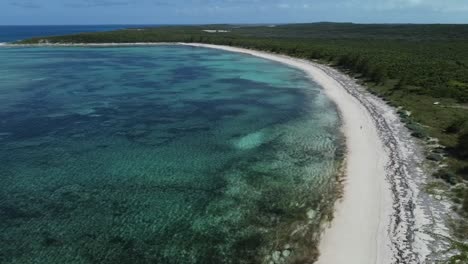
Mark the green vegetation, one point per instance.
(462, 146)
(456, 126)
(421, 69)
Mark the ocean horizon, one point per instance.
(11, 33)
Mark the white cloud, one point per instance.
(435, 5)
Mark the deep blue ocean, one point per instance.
(164, 154)
(15, 33)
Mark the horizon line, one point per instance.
(209, 24)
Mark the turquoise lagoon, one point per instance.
(163, 154)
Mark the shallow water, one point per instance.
(161, 154)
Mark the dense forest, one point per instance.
(420, 69)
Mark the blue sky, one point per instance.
(49, 12)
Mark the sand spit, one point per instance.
(384, 216)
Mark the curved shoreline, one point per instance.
(384, 216)
(357, 234)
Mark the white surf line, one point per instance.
(376, 222)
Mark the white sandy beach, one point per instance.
(383, 216)
(358, 234)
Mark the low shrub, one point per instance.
(435, 157)
(456, 126)
(465, 205)
(447, 176)
(462, 146)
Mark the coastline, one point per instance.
(357, 233)
(384, 215)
